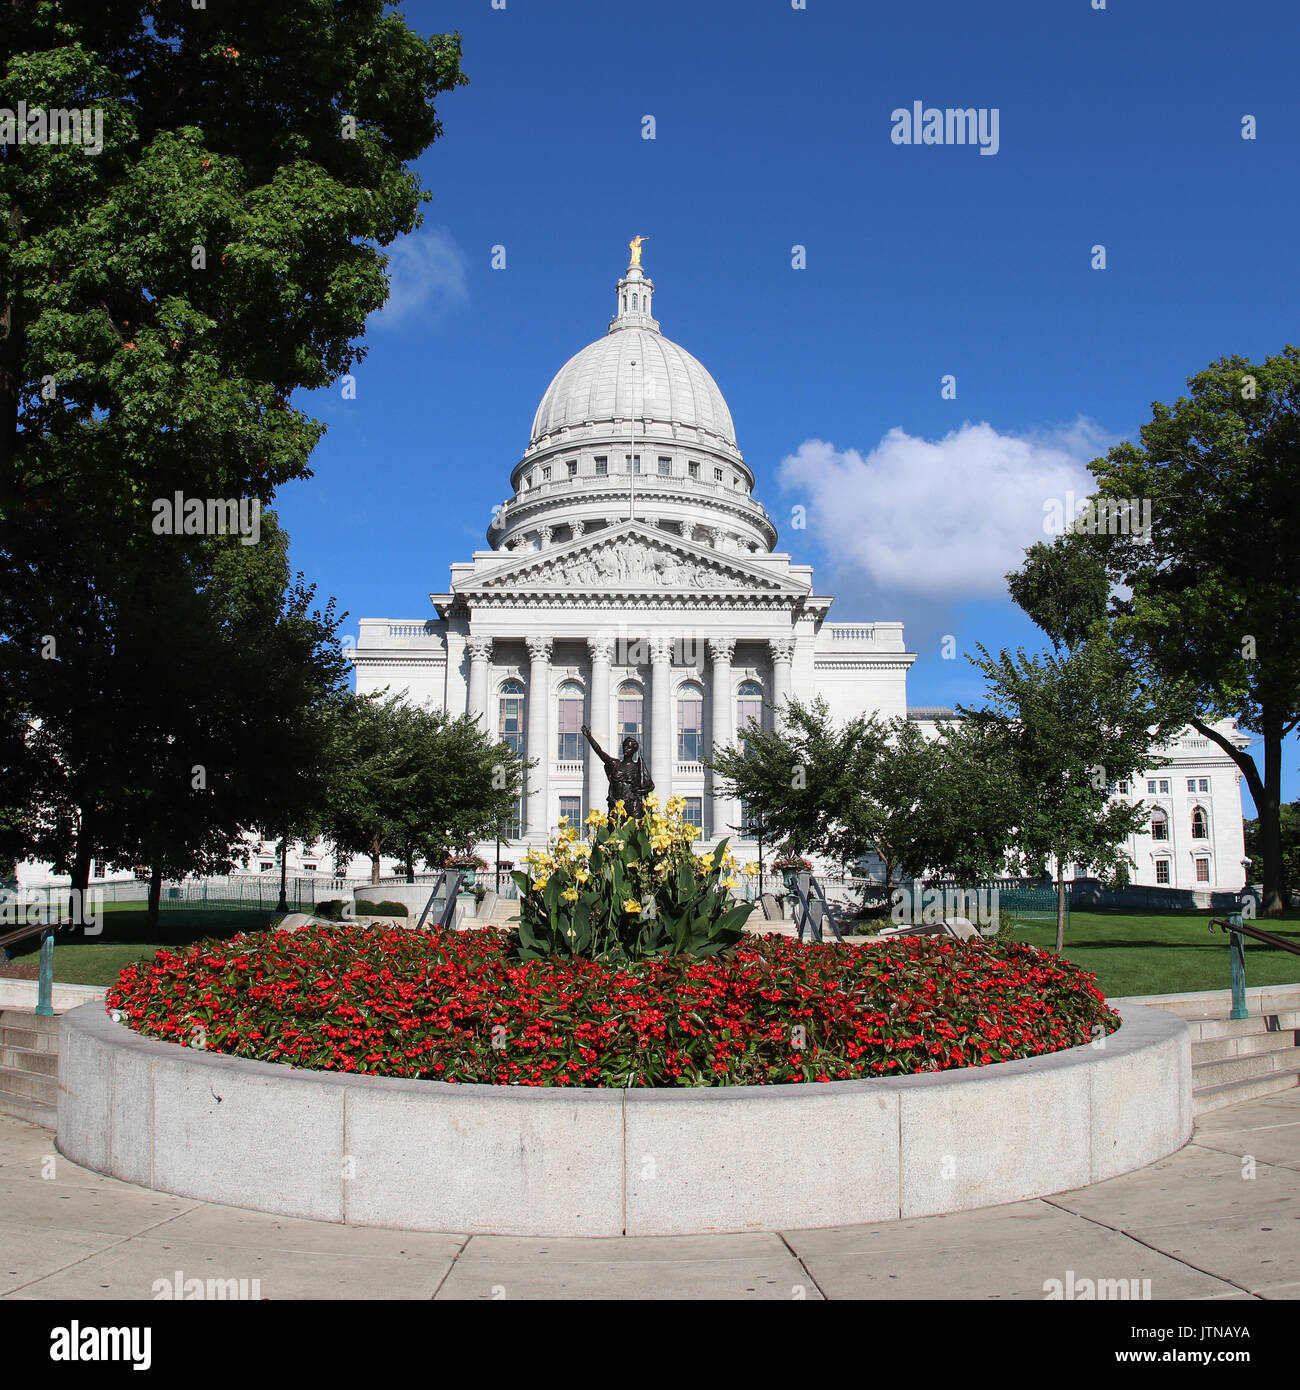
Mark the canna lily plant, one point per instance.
(632, 891)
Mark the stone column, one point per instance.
(726, 811)
(539, 737)
(600, 649)
(480, 654)
(662, 752)
(782, 677)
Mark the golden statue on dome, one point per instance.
(635, 247)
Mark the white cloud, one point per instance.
(427, 276)
(943, 519)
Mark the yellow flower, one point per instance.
(582, 876)
(751, 868)
(707, 860)
(631, 906)
(731, 883)
(539, 884)
(651, 800)
(570, 895)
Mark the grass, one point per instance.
(126, 939)
(1130, 953)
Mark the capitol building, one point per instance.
(633, 582)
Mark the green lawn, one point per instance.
(1130, 953)
(1166, 952)
(126, 938)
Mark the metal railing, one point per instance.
(45, 970)
(1236, 931)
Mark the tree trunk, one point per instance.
(1266, 792)
(1060, 905)
(81, 861)
(153, 912)
(374, 859)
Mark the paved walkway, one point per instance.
(1218, 1220)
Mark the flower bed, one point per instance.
(456, 1007)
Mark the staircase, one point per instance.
(29, 1065)
(1236, 1059)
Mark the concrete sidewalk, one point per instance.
(1218, 1220)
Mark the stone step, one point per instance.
(1205, 1029)
(29, 1021)
(1216, 1049)
(1209, 1098)
(1217, 1003)
(25, 1108)
(30, 1040)
(1244, 1068)
(34, 1061)
(29, 1086)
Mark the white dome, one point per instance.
(600, 384)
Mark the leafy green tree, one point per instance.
(1290, 837)
(1067, 727)
(875, 787)
(414, 783)
(1209, 598)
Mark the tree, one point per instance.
(1210, 595)
(1067, 728)
(414, 783)
(161, 297)
(1290, 837)
(875, 787)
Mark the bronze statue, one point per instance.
(635, 247)
(629, 777)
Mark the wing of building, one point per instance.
(632, 583)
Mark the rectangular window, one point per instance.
(1191, 784)
(693, 469)
(514, 827)
(1164, 786)
(717, 475)
(665, 467)
(1205, 784)
(602, 467)
(1151, 788)
(546, 473)
(512, 722)
(309, 868)
(266, 866)
(629, 717)
(572, 466)
(570, 722)
(690, 731)
(1081, 870)
(693, 814)
(571, 809)
(1202, 871)
(1123, 788)
(1162, 871)
(633, 462)
(748, 822)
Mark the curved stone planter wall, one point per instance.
(428, 1156)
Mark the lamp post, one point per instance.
(283, 904)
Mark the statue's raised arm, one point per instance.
(600, 752)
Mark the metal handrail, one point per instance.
(1237, 930)
(804, 891)
(45, 969)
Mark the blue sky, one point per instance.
(1119, 127)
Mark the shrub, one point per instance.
(455, 1006)
(331, 911)
(365, 908)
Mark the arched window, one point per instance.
(510, 723)
(631, 703)
(749, 709)
(570, 722)
(634, 304)
(1159, 825)
(1200, 823)
(690, 724)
